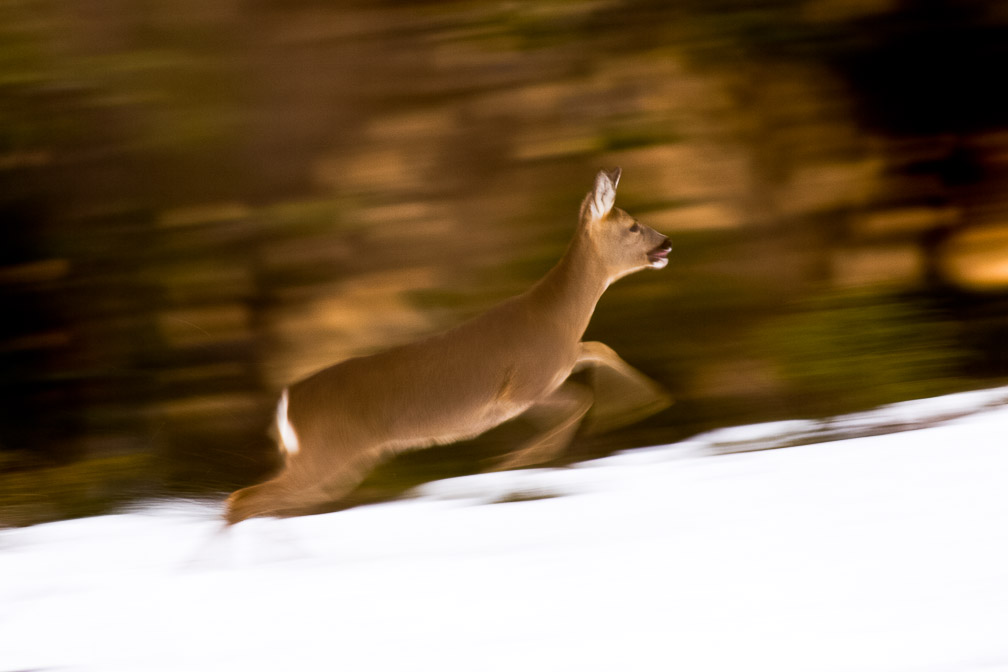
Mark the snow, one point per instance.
(880, 553)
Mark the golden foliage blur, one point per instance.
(202, 202)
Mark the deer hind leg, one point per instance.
(299, 488)
(279, 496)
(263, 499)
(623, 394)
(561, 413)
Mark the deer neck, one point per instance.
(572, 288)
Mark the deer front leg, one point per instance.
(561, 413)
(623, 395)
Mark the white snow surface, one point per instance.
(887, 553)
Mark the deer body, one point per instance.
(335, 425)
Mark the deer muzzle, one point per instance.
(658, 257)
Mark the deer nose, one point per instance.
(666, 245)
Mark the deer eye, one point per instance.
(635, 227)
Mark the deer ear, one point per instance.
(601, 200)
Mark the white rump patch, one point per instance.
(288, 437)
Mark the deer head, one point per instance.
(618, 239)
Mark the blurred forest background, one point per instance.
(203, 200)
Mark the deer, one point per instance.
(334, 426)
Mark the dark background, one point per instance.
(202, 200)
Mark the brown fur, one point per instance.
(460, 383)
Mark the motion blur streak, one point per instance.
(205, 200)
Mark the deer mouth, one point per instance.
(658, 257)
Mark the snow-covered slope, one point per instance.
(885, 553)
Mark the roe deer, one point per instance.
(337, 424)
